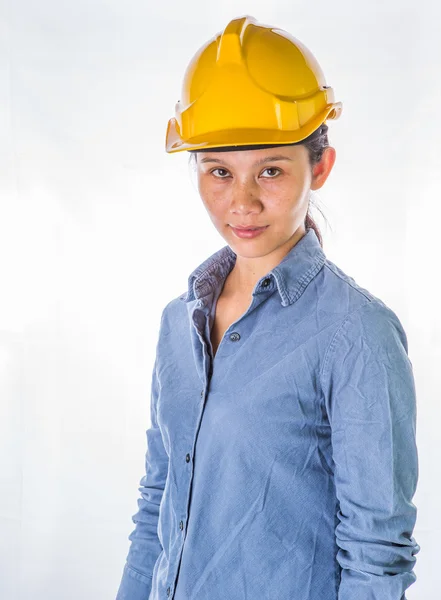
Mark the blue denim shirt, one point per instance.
(285, 467)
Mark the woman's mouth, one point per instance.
(249, 232)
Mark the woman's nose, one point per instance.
(245, 194)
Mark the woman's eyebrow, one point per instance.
(266, 159)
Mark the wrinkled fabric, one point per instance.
(286, 466)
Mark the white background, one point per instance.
(99, 228)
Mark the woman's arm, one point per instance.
(145, 546)
(371, 405)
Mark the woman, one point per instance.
(281, 456)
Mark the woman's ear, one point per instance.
(321, 170)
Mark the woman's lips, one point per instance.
(248, 233)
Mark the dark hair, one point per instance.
(315, 144)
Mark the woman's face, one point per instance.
(267, 187)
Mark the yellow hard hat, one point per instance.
(248, 85)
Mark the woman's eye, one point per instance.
(220, 176)
(271, 169)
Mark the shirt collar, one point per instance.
(290, 276)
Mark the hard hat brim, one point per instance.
(246, 137)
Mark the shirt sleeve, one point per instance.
(145, 545)
(370, 400)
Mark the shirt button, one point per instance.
(202, 394)
(181, 525)
(266, 282)
(187, 458)
(234, 337)
(168, 591)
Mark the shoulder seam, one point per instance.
(357, 289)
(332, 343)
